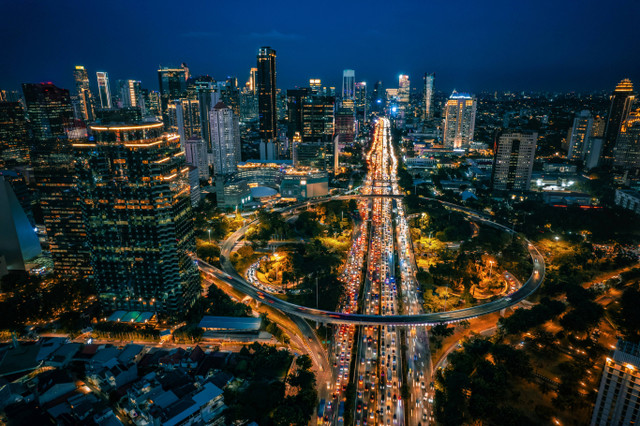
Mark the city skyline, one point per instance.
(530, 56)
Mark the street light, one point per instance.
(209, 236)
(557, 238)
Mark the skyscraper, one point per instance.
(348, 84)
(318, 119)
(51, 116)
(266, 86)
(252, 83)
(578, 137)
(225, 137)
(14, 134)
(618, 402)
(207, 95)
(130, 94)
(83, 91)
(196, 154)
(429, 81)
(621, 102)
(137, 207)
(103, 89)
(295, 101)
(514, 153)
(626, 153)
(460, 120)
(173, 85)
(361, 101)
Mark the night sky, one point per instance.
(472, 46)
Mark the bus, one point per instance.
(321, 411)
(341, 414)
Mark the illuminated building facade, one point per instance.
(130, 95)
(578, 137)
(14, 135)
(626, 153)
(514, 153)
(104, 90)
(196, 154)
(134, 184)
(618, 400)
(318, 118)
(173, 85)
(295, 101)
(225, 137)
(266, 86)
(621, 103)
(53, 162)
(460, 120)
(429, 81)
(83, 91)
(348, 84)
(361, 101)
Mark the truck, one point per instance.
(321, 411)
(341, 414)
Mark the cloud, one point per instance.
(275, 35)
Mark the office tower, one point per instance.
(618, 401)
(14, 134)
(183, 118)
(9, 96)
(252, 83)
(345, 124)
(152, 103)
(429, 81)
(83, 91)
(266, 86)
(19, 242)
(135, 189)
(207, 95)
(578, 137)
(196, 154)
(378, 97)
(104, 90)
(130, 94)
(514, 153)
(315, 86)
(229, 93)
(626, 153)
(348, 84)
(295, 101)
(361, 102)
(173, 85)
(49, 108)
(460, 119)
(318, 119)
(225, 136)
(404, 89)
(621, 102)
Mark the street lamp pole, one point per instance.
(209, 236)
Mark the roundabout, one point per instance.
(229, 275)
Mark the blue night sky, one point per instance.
(471, 45)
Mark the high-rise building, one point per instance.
(404, 89)
(173, 85)
(345, 124)
(14, 134)
(208, 96)
(136, 203)
(348, 84)
(318, 119)
(83, 91)
(130, 94)
(460, 120)
(626, 153)
(49, 109)
(378, 97)
(315, 86)
(429, 81)
(621, 103)
(266, 86)
(225, 136)
(618, 400)
(103, 89)
(183, 118)
(361, 101)
(196, 154)
(295, 100)
(578, 137)
(514, 153)
(252, 83)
